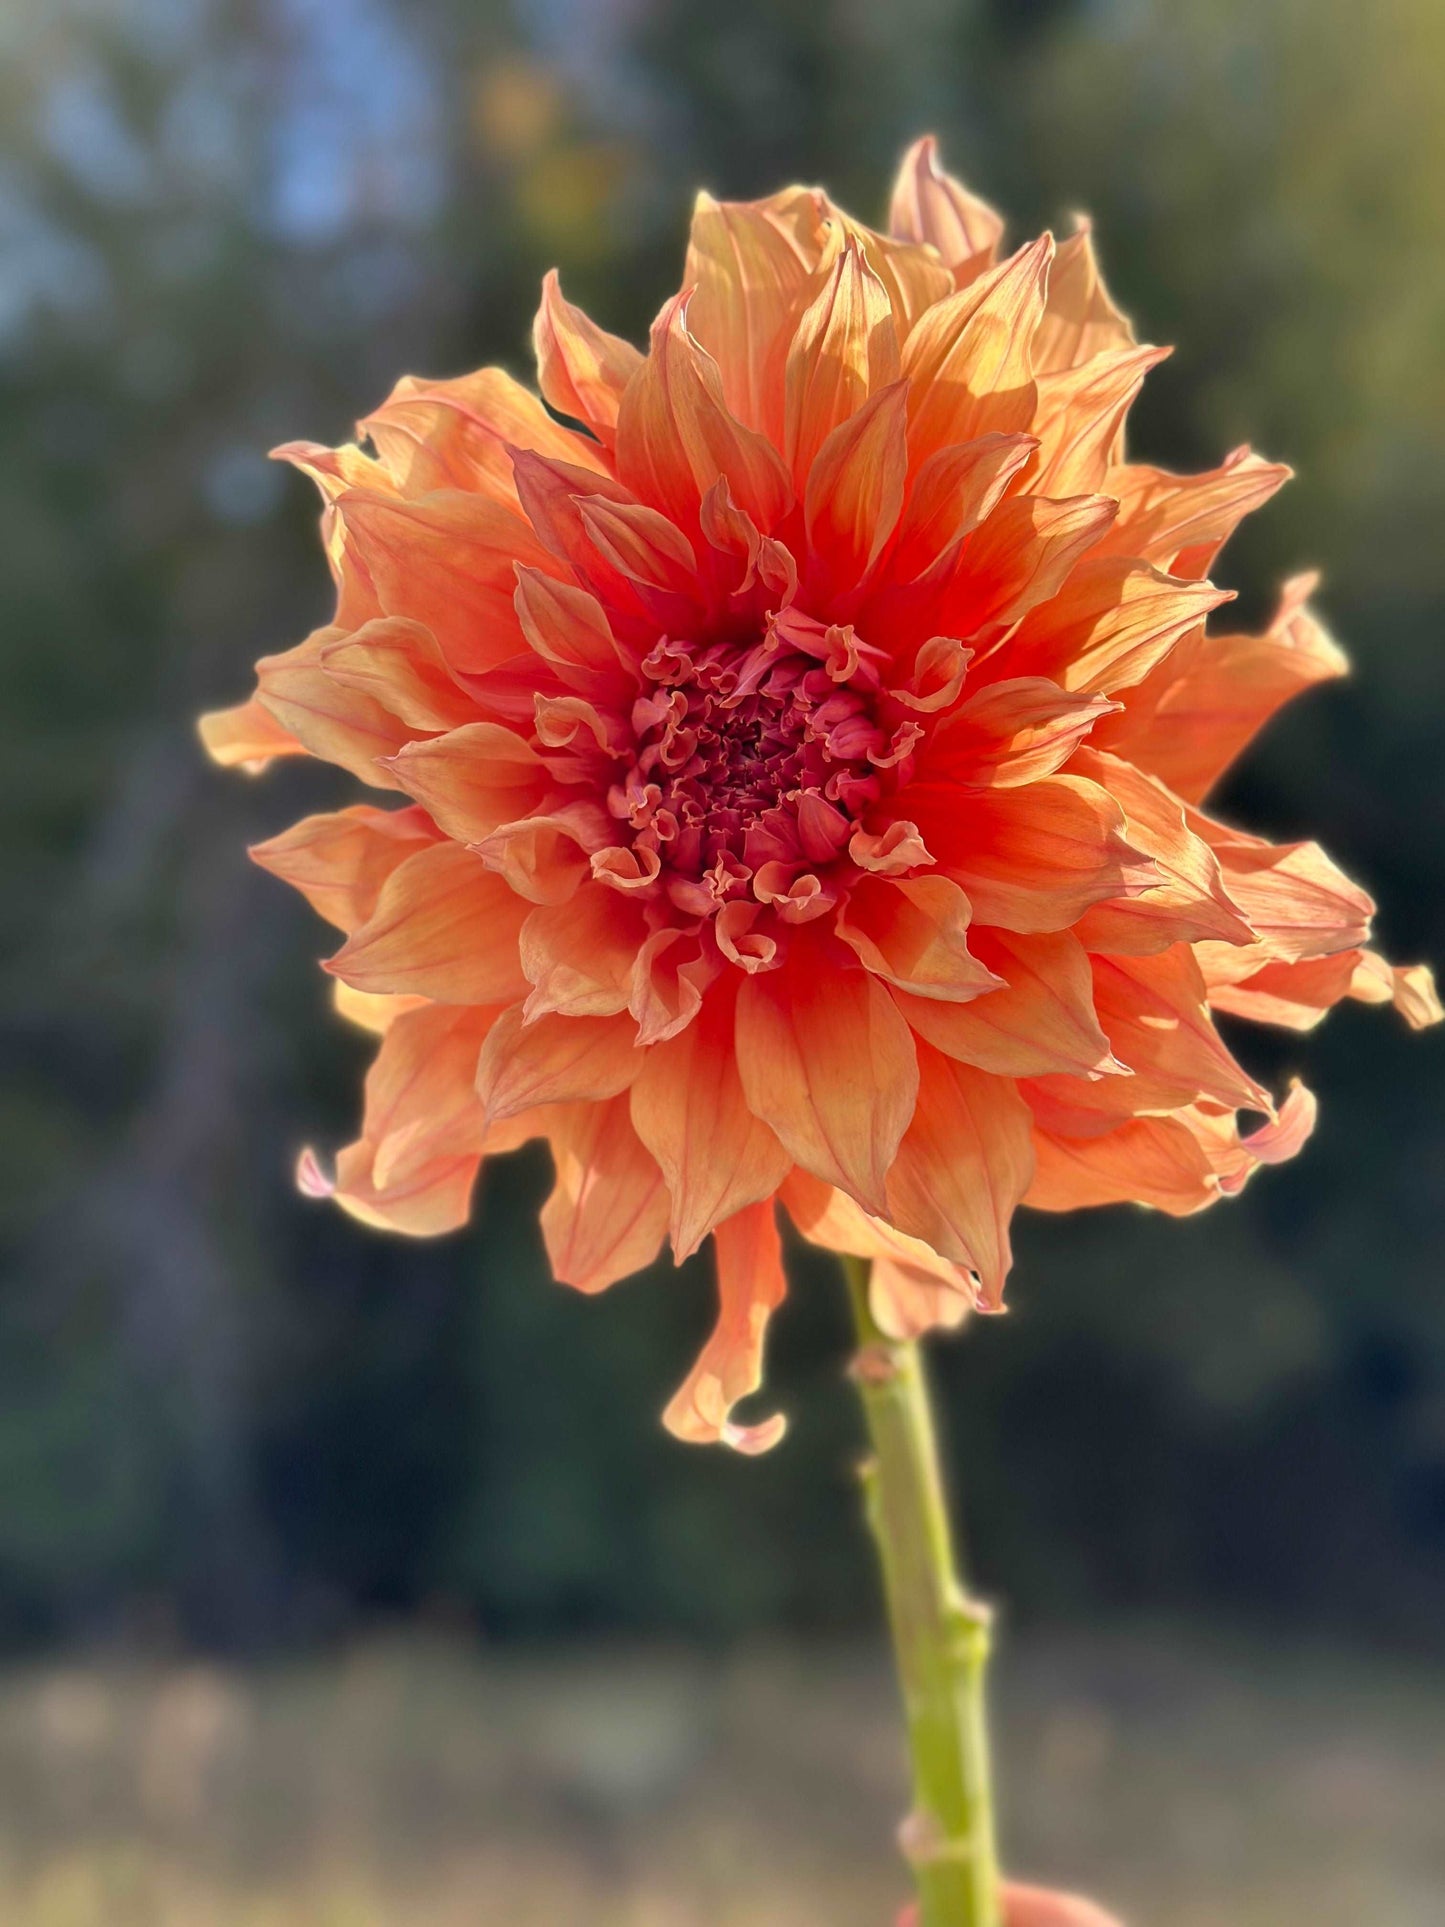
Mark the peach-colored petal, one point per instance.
(569, 629)
(473, 779)
(751, 1285)
(1179, 522)
(1188, 721)
(956, 489)
(340, 860)
(1153, 1011)
(578, 956)
(855, 486)
(1146, 1160)
(1295, 995)
(371, 1010)
(1020, 558)
(339, 724)
(1033, 858)
(1013, 732)
(1409, 987)
(607, 1213)
(748, 273)
(1295, 899)
(247, 737)
(1041, 1021)
(827, 1061)
(444, 927)
(554, 1060)
(455, 434)
(929, 206)
(689, 1110)
(1079, 419)
(399, 664)
(676, 434)
(1080, 320)
(583, 371)
(913, 933)
(845, 349)
(969, 359)
(911, 1288)
(965, 1161)
(1109, 625)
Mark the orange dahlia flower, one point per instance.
(801, 730)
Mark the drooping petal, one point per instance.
(339, 724)
(340, 860)
(1155, 1014)
(1409, 987)
(1146, 1160)
(1296, 900)
(1179, 522)
(911, 1289)
(965, 1162)
(751, 1285)
(606, 1216)
(444, 927)
(689, 1109)
(828, 1062)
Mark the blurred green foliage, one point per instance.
(224, 223)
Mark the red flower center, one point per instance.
(753, 761)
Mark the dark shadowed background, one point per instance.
(234, 1424)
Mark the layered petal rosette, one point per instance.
(790, 746)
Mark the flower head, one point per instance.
(799, 750)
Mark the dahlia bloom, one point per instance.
(800, 750)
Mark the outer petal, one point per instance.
(1080, 320)
(1041, 1021)
(931, 207)
(247, 737)
(751, 1285)
(456, 434)
(1297, 901)
(1154, 1013)
(1189, 720)
(964, 1163)
(689, 1110)
(912, 1289)
(444, 927)
(1080, 418)
(1179, 522)
(340, 860)
(339, 724)
(827, 1061)
(399, 665)
(1409, 987)
(749, 274)
(583, 370)
(1111, 623)
(607, 1213)
(1148, 1160)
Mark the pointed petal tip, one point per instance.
(311, 1179)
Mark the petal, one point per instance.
(444, 927)
(1020, 558)
(969, 358)
(913, 933)
(1033, 858)
(399, 664)
(689, 1110)
(1148, 1160)
(930, 206)
(340, 860)
(1011, 733)
(828, 1062)
(579, 956)
(676, 434)
(845, 349)
(911, 1289)
(569, 629)
(1189, 720)
(1297, 901)
(1041, 1021)
(751, 1285)
(371, 1010)
(1189, 902)
(1108, 626)
(855, 486)
(338, 724)
(963, 1165)
(1079, 419)
(1294, 995)
(1080, 321)
(556, 1060)
(1154, 1013)
(748, 275)
(473, 779)
(956, 489)
(607, 1212)
(1179, 522)
(456, 434)
(582, 370)
(246, 737)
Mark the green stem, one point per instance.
(940, 1636)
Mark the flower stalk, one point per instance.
(940, 1635)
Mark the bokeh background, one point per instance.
(354, 1582)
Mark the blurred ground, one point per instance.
(417, 1785)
